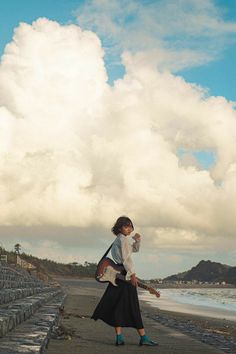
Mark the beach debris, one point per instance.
(213, 332)
(62, 333)
(218, 331)
(61, 310)
(67, 315)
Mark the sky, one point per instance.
(112, 108)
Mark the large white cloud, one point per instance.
(78, 152)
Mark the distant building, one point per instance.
(3, 258)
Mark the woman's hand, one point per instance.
(136, 237)
(134, 280)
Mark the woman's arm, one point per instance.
(136, 244)
(126, 250)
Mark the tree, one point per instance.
(17, 248)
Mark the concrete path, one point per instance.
(95, 337)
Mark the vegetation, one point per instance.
(51, 267)
(17, 248)
(207, 271)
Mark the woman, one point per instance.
(119, 306)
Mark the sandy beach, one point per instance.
(176, 332)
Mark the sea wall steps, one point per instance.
(29, 307)
(16, 312)
(32, 336)
(11, 278)
(9, 295)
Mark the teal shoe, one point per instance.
(120, 339)
(145, 340)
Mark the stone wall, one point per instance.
(22, 298)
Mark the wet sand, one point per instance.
(177, 333)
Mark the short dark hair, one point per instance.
(121, 221)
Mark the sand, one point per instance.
(83, 335)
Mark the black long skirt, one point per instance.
(119, 306)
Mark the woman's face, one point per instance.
(126, 230)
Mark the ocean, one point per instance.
(220, 302)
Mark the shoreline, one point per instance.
(176, 331)
(156, 285)
(166, 303)
(192, 286)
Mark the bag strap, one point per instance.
(105, 254)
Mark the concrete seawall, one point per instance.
(29, 308)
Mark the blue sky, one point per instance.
(218, 76)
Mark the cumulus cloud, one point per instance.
(77, 153)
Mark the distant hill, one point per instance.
(207, 271)
(50, 267)
(231, 276)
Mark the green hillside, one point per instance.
(53, 268)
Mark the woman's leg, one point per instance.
(119, 336)
(118, 330)
(145, 340)
(141, 331)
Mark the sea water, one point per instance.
(221, 299)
